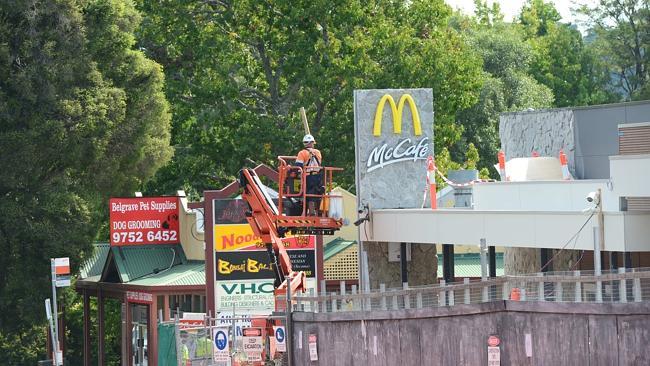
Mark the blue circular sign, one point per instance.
(221, 340)
(279, 335)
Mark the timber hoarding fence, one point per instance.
(561, 318)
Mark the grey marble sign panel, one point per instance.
(391, 157)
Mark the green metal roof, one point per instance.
(189, 274)
(93, 266)
(336, 246)
(469, 265)
(134, 262)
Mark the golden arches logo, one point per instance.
(397, 114)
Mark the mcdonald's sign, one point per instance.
(404, 149)
(398, 111)
(393, 138)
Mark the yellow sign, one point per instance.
(397, 111)
(235, 237)
(250, 266)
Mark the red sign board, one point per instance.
(139, 297)
(493, 341)
(144, 220)
(252, 332)
(62, 266)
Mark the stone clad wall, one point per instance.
(421, 269)
(547, 132)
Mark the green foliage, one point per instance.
(620, 29)
(239, 71)
(507, 85)
(82, 117)
(561, 60)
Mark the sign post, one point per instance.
(55, 343)
(60, 268)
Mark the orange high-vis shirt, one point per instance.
(304, 156)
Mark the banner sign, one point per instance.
(303, 260)
(393, 138)
(144, 220)
(139, 297)
(233, 237)
(246, 265)
(245, 295)
(229, 211)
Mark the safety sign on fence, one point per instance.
(253, 345)
(280, 338)
(221, 351)
(313, 348)
(493, 351)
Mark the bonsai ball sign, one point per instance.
(144, 220)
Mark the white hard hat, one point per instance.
(307, 139)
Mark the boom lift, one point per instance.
(272, 222)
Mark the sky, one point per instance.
(511, 8)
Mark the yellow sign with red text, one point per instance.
(234, 237)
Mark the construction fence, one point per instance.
(236, 341)
(620, 286)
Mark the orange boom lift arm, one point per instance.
(271, 224)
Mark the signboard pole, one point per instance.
(55, 310)
(55, 343)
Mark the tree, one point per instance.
(507, 84)
(82, 117)
(240, 70)
(621, 29)
(561, 60)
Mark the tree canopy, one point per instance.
(100, 98)
(82, 117)
(241, 70)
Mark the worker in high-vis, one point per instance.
(310, 159)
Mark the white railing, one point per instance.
(620, 286)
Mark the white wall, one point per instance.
(630, 175)
(536, 229)
(569, 195)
